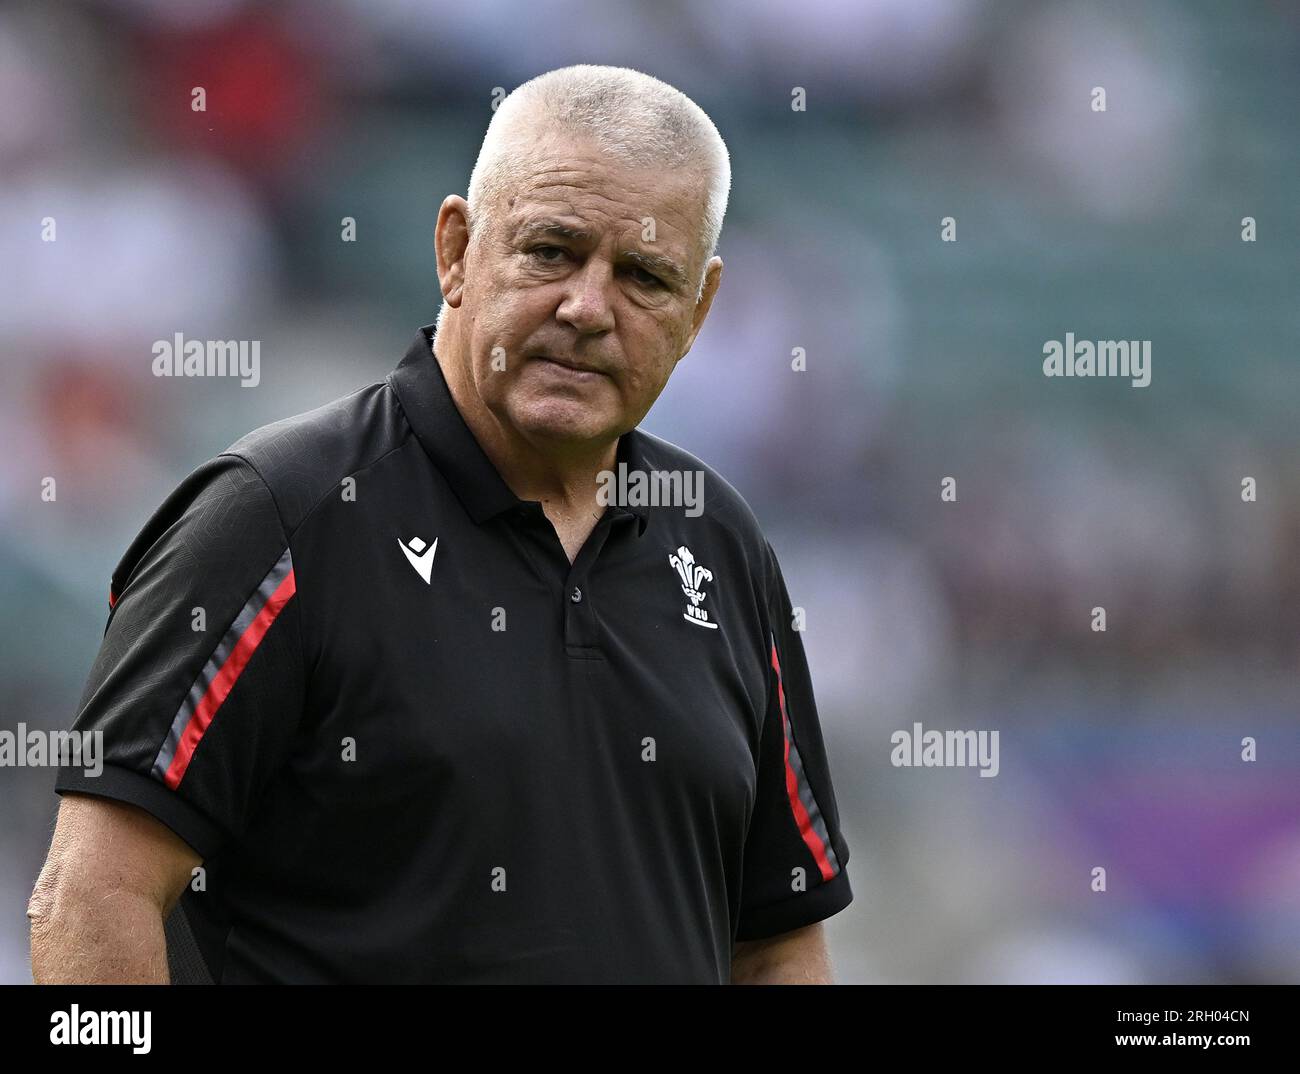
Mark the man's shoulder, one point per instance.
(267, 482)
(721, 502)
(302, 457)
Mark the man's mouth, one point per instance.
(568, 367)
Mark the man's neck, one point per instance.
(562, 478)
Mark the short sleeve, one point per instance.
(795, 855)
(198, 686)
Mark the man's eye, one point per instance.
(646, 279)
(542, 253)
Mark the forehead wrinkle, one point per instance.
(630, 189)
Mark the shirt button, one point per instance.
(576, 595)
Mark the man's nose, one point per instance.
(586, 304)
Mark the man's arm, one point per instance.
(112, 876)
(797, 957)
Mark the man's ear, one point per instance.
(451, 244)
(712, 277)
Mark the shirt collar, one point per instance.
(446, 438)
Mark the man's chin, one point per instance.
(563, 422)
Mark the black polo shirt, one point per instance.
(413, 743)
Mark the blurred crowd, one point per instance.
(1121, 749)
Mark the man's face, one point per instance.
(587, 308)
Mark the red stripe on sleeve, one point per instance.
(226, 678)
(811, 839)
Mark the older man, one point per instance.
(460, 707)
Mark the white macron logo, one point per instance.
(692, 576)
(423, 564)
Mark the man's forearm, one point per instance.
(798, 957)
(114, 938)
(781, 971)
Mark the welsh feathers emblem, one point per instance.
(693, 577)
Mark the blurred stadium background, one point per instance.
(1118, 749)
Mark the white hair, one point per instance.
(638, 118)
